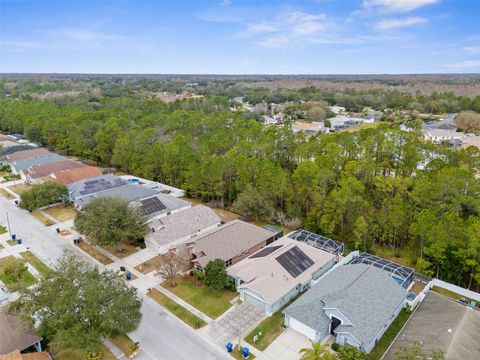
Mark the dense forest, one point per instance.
(375, 189)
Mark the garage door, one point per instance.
(302, 328)
(254, 301)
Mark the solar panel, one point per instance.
(152, 205)
(265, 251)
(295, 261)
(97, 185)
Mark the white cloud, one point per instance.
(292, 28)
(464, 64)
(395, 6)
(472, 49)
(386, 24)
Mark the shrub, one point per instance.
(335, 346)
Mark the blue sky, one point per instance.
(241, 37)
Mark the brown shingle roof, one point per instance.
(229, 240)
(70, 176)
(14, 334)
(16, 355)
(25, 154)
(42, 170)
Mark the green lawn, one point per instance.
(389, 336)
(19, 189)
(6, 194)
(2, 230)
(124, 343)
(36, 263)
(271, 328)
(12, 242)
(12, 283)
(179, 311)
(42, 218)
(211, 302)
(62, 212)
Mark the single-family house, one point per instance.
(309, 128)
(69, 176)
(337, 109)
(25, 152)
(274, 275)
(230, 242)
(38, 172)
(180, 227)
(19, 165)
(440, 135)
(152, 203)
(15, 335)
(356, 303)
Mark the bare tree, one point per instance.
(171, 266)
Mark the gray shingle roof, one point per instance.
(365, 295)
(45, 159)
(181, 224)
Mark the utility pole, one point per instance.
(8, 224)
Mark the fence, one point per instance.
(456, 289)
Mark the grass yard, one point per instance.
(179, 311)
(81, 355)
(127, 249)
(209, 301)
(389, 336)
(237, 354)
(417, 287)
(6, 194)
(37, 214)
(449, 293)
(149, 265)
(19, 189)
(97, 255)
(271, 328)
(62, 212)
(12, 242)
(1, 247)
(362, 127)
(11, 282)
(402, 256)
(2, 230)
(38, 264)
(124, 343)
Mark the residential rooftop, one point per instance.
(43, 170)
(365, 295)
(23, 164)
(26, 154)
(182, 224)
(14, 333)
(229, 240)
(70, 176)
(265, 274)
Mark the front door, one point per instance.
(335, 322)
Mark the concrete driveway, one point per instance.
(242, 318)
(287, 346)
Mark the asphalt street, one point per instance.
(160, 335)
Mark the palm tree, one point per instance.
(318, 351)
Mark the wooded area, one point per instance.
(378, 188)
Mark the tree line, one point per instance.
(375, 189)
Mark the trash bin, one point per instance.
(229, 347)
(128, 275)
(14, 236)
(16, 202)
(245, 352)
(57, 230)
(19, 241)
(122, 268)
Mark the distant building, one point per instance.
(440, 135)
(337, 109)
(309, 128)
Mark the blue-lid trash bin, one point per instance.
(19, 241)
(128, 275)
(245, 352)
(229, 347)
(14, 236)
